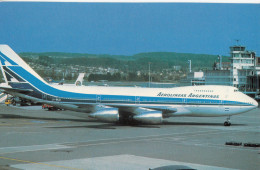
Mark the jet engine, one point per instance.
(106, 115)
(149, 117)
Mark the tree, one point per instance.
(45, 60)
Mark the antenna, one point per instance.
(149, 63)
(237, 40)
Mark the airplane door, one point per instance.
(137, 99)
(98, 98)
(223, 108)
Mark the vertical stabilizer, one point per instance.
(9, 59)
(79, 80)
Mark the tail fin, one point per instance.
(10, 62)
(24, 80)
(79, 80)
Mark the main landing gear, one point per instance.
(227, 122)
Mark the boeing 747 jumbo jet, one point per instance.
(122, 104)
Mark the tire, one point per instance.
(225, 123)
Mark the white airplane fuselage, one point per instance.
(197, 101)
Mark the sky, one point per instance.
(129, 28)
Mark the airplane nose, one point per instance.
(255, 103)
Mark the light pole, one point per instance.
(149, 74)
(189, 61)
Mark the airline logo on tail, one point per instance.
(10, 76)
(5, 61)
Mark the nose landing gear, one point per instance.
(227, 122)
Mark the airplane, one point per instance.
(78, 82)
(122, 104)
(80, 79)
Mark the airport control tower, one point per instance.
(242, 65)
(243, 72)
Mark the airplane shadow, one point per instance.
(104, 125)
(107, 126)
(100, 126)
(117, 125)
(198, 124)
(7, 116)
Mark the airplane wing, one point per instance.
(101, 111)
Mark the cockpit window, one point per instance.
(236, 90)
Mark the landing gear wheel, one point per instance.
(227, 123)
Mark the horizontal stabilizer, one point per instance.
(24, 91)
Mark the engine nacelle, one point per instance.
(149, 117)
(106, 115)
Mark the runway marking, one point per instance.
(8, 124)
(160, 138)
(133, 139)
(147, 136)
(125, 161)
(163, 135)
(34, 123)
(30, 148)
(39, 163)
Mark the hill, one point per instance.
(159, 60)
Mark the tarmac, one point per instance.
(32, 138)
